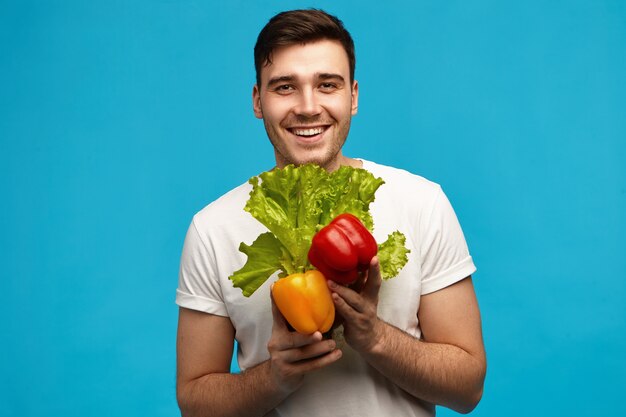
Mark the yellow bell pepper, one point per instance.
(305, 302)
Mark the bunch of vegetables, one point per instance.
(319, 227)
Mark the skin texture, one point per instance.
(206, 388)
(309, 86)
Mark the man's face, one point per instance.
(306, 101)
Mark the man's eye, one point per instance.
(328, 86)
(284, 88)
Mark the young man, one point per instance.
(410, 343)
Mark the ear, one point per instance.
(256, 102)
(355, 97)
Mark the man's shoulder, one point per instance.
(401, 180)
(235, 197)
(228, 208)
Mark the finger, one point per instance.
(310, 351)
(299, 340)
(318, 362)
(345, 310)
(347, 295)
(373, 282)
(300, 368)
(285, 338)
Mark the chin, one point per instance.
(321, 160)
(324, 156)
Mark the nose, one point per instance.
(308, 104)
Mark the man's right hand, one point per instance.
(205, 387)
(293, 355)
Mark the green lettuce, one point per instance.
(294, 203)
(392, 255)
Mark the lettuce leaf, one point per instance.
(294, 203)
(392, 255)
(265, 256)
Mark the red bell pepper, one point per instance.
(342, 249)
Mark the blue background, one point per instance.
(121, 119)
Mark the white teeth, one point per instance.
(308, 132)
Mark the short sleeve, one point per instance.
(445, 256)
(198, 287)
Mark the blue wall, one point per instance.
(120, 119)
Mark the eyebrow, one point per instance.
(330, 76)
(324, 76)
(280, 79)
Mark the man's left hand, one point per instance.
(362, 327)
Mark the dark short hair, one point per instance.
(300, 27)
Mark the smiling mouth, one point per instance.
(308, 132)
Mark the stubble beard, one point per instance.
(326, 160)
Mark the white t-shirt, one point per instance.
(350, 387)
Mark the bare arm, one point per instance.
(204, 384)
(447, 367)
(206, 388)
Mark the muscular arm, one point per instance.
(204, 386)
(447, 367)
